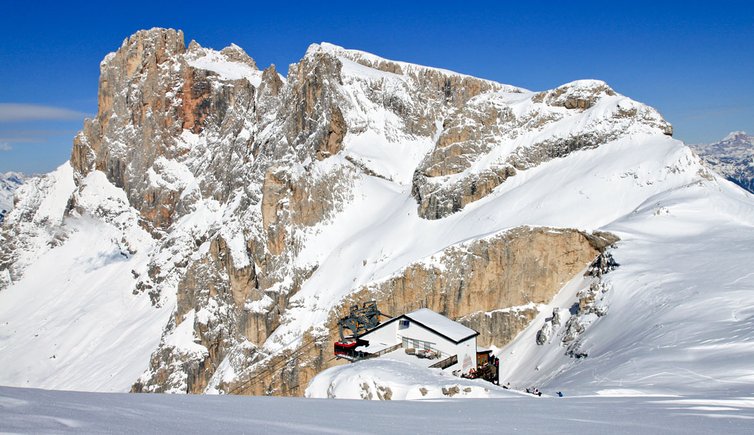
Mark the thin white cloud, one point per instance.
(13, 112)
(5, 146)
(10, 140)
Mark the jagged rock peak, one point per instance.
(579, 94)
(737, 135)
(193, 46)
(152, 90)
(237, 54)
(159, 41)
(230, 54)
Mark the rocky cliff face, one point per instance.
(493, 285)
(257, 206)
(468, 161)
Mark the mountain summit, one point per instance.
(215, 220)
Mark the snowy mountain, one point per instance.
(216, 220)
(732, 157)
(9, 182)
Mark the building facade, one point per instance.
(426, 331)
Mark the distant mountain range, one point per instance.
(732, 157)
(9, 182)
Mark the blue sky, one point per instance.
(694, 62)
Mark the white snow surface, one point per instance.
(39, 212)
(183, 337)
(372, 379)
(681, 308)
(75, 319)
(35, 411)
(71, 321)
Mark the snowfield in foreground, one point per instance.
(29, 410)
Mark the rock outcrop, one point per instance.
(481, 144)
(519, 267)
(492, 285)
(500, 326)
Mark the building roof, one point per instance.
(441, 324)
(435, 322)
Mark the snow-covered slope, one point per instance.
(9, 182)
(215, 219)
(679, 307)
(732, 157)
(681, 304)
(71, 322)
(620, 177)
(28, 410)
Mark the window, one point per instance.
(403, 324)
(412, 343)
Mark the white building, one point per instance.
(425, 330)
